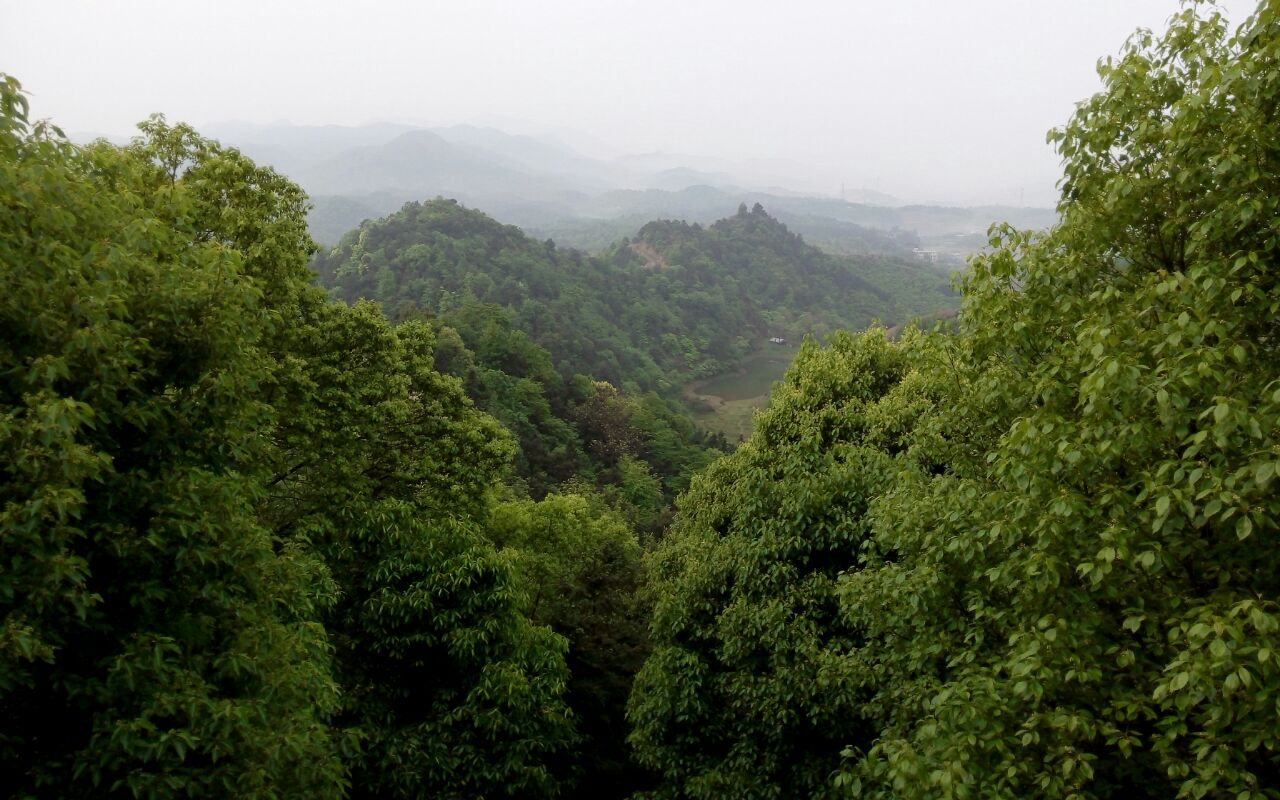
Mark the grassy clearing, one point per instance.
(735, 396)
(732, 418)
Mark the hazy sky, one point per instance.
(925, 99)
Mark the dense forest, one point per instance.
(582, 358)
(675, 302)
(394, 520)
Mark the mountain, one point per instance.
(292, 148)
(533, 325)
(422, 163)
(677, 178)
(536, 154)
(529, 328)
(554, 191)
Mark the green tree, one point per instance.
(1053, 570)
(381, 467)
(153, 641)
(384, 467)
(580, 570)
(741, 696)
(510, 377)
(692, 307)
(223, 491)
(1113, 617)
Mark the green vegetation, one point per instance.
(243, 525)
(755, 377)
(1035, 558)
(679, 302)
(157, 640)
(726, 403)
(261, 543)
(738, 698)
(580, 566)
(732, 419)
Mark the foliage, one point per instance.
(580, 569)
(739, 698)
(568, 429)
(681, 301)
(154, 642)
(1120, 639)
(533, 317)
(244, 523)
(1055, 568)
(748, 277)
(438, 256)
(254, 546)
(385, 468)
(510, 377)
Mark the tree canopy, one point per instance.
(243, 525)
(155, 642)
(1058, 578)
(679, 301)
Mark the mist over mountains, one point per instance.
(556, 191)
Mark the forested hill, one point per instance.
(679, 301)
(784, 285)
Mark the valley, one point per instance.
(726, 403)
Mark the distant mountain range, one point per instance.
(553, 191)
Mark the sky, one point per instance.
(927, 100)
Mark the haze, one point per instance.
(926, 101)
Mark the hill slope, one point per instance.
(710, 297)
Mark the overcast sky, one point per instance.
(945, 100)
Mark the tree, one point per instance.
(154, 642)
(580, 571)
(241, 522)
(1039, 555)
(1110, 613)
(739, 698)
(384, 467)
(380, 468)
(604, 418)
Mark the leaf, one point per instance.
(1244, 527)
(1265, 471)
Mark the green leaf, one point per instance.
(1244, 527)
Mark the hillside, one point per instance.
(653, 316)
(536, 325)
(777, 278)
(720, 291)
(583, 218)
